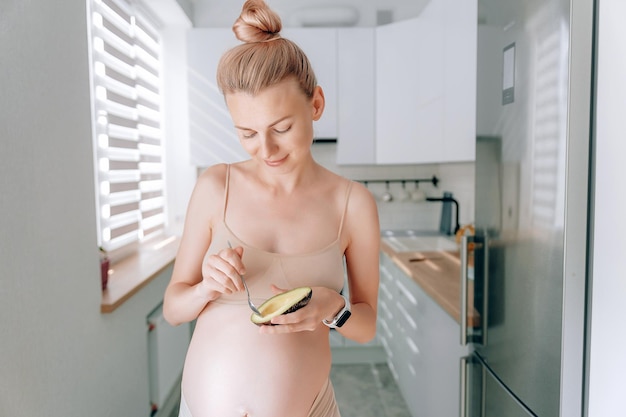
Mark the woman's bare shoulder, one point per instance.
(212, 180)
(215, 175)
(362, 212)
(209, 189)
(361, 195)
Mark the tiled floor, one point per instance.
(367, 390)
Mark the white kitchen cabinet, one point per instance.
(320, 46)
(422, 344)
(426, 86)
(356, 109)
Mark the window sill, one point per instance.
(133, 273)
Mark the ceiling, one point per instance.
(222, 13)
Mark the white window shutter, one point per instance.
(127, 111)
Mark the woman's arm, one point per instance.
(362, 262)
(199, 277)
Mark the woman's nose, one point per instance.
(268, 147)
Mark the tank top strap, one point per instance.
(226, 188)
(345, 208)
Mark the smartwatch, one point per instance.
(341, 317)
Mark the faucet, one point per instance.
(447, 198)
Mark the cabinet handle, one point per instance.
(464, 241)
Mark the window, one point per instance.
(128, 148)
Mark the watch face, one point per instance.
(344, 317)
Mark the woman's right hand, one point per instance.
(221, 272)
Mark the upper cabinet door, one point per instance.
(459, 68)
(356, 80)
(426, 86)
(409, 92)
(320, 46)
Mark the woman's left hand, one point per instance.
(324, 304)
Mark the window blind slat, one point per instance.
(111, 62)
(124, 78)
(148, 104)
(119, 187)
(150, 141)
(145, 177)
(124, 132)
(153, 231)
(152, 221)
(126, 113)
(125, 198)
(150, 62)
(147, 88)
(149, 117)
(120, 231)
(122, 33)
(124, 56)
(147, 33)
(121, 8)
(123, 208)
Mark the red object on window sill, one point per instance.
(104, 272)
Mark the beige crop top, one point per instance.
(323, 267)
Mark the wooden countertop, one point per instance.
(438, 274)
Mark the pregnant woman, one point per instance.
(281, 221)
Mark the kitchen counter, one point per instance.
(437, 272)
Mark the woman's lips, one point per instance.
(274, 163)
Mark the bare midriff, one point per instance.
(233, 370)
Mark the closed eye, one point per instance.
(247, 134)
(285, 130)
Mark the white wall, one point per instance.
(58, 355)
(607, 367)
(180, 172)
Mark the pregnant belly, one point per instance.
(232, 370)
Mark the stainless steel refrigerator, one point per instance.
(524, 270)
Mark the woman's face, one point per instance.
(275, 126)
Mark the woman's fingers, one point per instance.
(214, 275)
(223, 269)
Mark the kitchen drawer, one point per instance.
(386, 288)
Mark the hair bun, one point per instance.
(257, 23)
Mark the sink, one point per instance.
(418, 243)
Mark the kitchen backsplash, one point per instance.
(401, 212)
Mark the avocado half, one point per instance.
(283, 303)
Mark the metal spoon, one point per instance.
(252, 306)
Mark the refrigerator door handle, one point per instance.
(472, 246)
(464, 266)
(485, 291)
(463, 387)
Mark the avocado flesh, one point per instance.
(283, 303)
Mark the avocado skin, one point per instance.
(300, 304)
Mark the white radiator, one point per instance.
(167, 347)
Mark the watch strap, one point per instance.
(342, 316)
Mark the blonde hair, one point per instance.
(265, 58)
